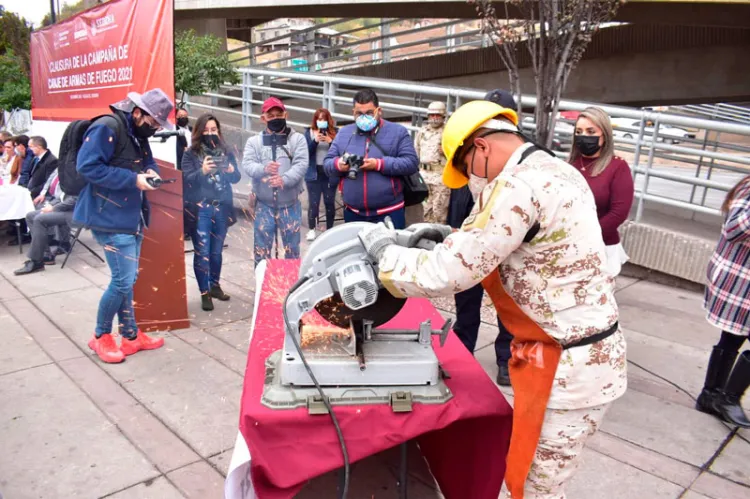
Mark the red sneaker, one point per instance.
(141, 342)
(106, 348)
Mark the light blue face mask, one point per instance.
(367, 123)
(322, 125)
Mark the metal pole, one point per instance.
(385, 31)
(52, 11)
(247, 96)
(403, 472)
(644, 192)
(710, 169)
(638, 142)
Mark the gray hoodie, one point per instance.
(292, 170)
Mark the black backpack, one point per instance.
(71, 182)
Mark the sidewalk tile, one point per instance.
(601, 476)
(150, 489)
(685, 366)
(734, 461)
(623, 282)
(236, 334)
(77, 317)
(221, 461)
(151, 436)
(716, 487)
(194, 395)
(57, 444)
(8, 291)
(198, 481)
(52, 280)
(643, 459)
(677, 315)
(666, 428)
(694, 495)
(19, 350)
(240, 274)
(53, 341)
(232, 310)
(214, 348)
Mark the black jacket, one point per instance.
(199, 187)
(41, 172)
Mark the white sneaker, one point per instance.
(311, 235)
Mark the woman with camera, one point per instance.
(609, 177)
(209, 169)
(319, 137)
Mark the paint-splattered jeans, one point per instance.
(122, 252)
(289, 224)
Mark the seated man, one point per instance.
(42, 166)
(56, 211)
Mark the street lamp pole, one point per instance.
(52, 10)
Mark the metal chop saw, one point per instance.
(351, 358)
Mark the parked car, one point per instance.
(628, 128)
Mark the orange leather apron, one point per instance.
(532, 366)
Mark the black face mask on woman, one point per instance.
(210, 140)
(587, 144)
(183, 122)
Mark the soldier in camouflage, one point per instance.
(431, 163)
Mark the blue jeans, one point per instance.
(316, 189)
(122, 252)
(208, 243)
(289, 224)
(398, 218)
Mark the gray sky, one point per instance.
(33, 10)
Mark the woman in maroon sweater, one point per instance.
(610, 179)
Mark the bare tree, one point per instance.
(555, 34)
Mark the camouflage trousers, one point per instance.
(436, 205)
(558, 454)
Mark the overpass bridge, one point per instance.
(241, 15)
(662, 59)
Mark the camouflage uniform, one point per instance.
(432, 161)
(558, 280)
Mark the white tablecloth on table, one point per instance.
(15, 202)
(238, 484)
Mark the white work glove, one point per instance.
(427, 232)
(376, 239)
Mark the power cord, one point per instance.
(327, 404)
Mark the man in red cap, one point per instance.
(276, 160)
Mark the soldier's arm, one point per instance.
(495, 228)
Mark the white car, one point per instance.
(628, 128)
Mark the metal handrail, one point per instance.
(409, 99)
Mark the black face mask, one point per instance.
(183, 122)
(211, 141)
(587, 144)
(144, 130)
(277, 125)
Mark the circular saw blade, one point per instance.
(383, 310)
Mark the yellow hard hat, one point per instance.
(466, 120)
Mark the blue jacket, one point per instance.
(374, 192)
(28, 162)
(312, 148)
(111, 201)
(199, 187)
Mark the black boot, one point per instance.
(207, 303)
(503, 376)
(728, 402)
(218, 293)
(719, 366)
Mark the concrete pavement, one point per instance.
(163, 424)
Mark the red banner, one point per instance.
(83, 64)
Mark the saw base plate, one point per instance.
(277, 396)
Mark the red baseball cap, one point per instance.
(271, 103)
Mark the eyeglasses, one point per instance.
(370, 113)
(151, 120)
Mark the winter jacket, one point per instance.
(293, 159)
(313, 172)
(110, 160)
(28, 163)
(374, 192)
(199, 187)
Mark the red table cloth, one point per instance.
(464, 441)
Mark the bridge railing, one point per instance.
(678, 161)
